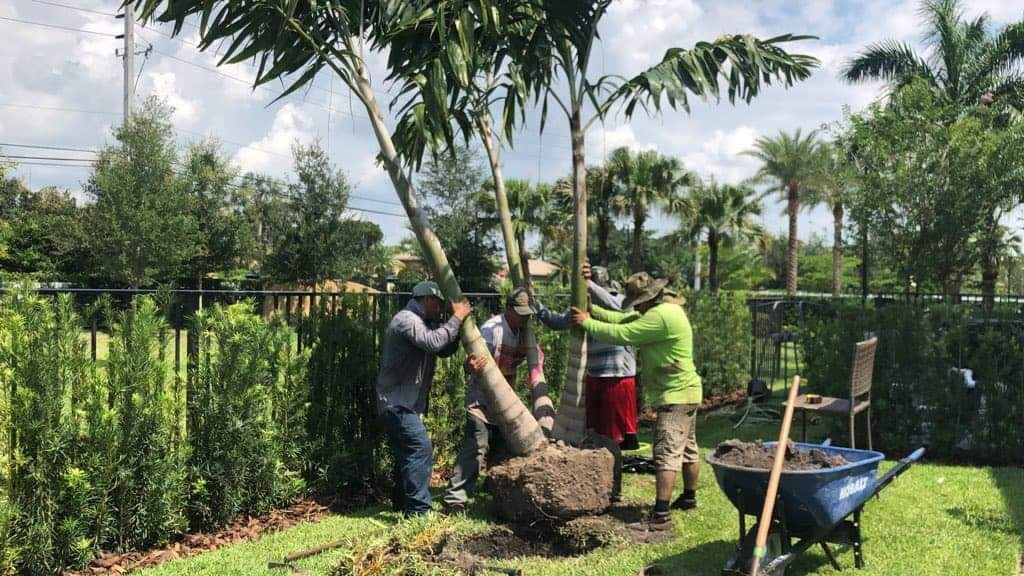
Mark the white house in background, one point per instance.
(540, 271)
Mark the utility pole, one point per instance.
(129, 57)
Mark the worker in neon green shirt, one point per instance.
(660, 330)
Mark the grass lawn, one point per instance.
(935, 519)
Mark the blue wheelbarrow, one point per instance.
(814, 507)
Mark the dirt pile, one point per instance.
(553, 485)
(479, 553)
(758, 456)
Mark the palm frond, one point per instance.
(887, 60)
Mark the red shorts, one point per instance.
(611, 406)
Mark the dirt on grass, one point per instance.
(480, 553)
(760, 457)
(552, 486)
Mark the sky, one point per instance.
(61, 86)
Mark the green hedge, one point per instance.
(721, 341)
(98, 456)
(917, 397)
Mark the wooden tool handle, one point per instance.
(765, 523)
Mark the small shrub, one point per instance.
(237, 397)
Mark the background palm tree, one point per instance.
(789, 163)
(725, 213)
(968, 64)
(833, 185)
(645, 180)
(526, 203)
(605, 204)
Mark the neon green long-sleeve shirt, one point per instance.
(664, 341)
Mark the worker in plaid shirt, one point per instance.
(505, 338)
(611, 369)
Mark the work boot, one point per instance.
(654, 522)
(629, 443)
(684, 502)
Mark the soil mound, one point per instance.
(554, 485)
(478, 554)
(758, 456)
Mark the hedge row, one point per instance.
(124, 454)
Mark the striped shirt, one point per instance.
(509, 349)
(603, 360)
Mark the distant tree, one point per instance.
(833, 185)
(45, 236)
(224, 241)
(140, 229)
(725, 214)
(645, 180)
(463, 215)
(311, 242)
(789, 163)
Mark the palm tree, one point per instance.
(789, 162)
(646, 180)
(968, 65)
(832, 186)
(605, 206)
(725, 212)
(526, 204)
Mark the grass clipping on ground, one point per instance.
(411, 549)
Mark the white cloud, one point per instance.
(643, 29)
(731, 143)
(165, 86)
(272, 152)
(605, 140)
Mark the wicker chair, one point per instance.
(860, 394)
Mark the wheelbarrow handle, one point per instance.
(898, 469)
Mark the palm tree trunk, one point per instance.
(518, 425)
(518, 265)
(713, 261)
(603, 231)
(637, 264)
(792, 206)
(837, 250)
(570, 423)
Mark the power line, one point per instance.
(42, 147)
(89, 10)
(58, 27)
(59, 109)
(49, 158)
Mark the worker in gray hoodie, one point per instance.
(415, 339)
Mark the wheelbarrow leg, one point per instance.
(858, 551)
(831, 557)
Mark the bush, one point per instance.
(346, 450)
(147, 486)
(240, 397)
(721, 341)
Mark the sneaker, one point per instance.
(683, 503)
(655, 522)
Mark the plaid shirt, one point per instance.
(509, 349)
(603, 360)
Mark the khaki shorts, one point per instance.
(675, 437)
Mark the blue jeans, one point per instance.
(414, 458)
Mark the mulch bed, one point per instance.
(241, 530)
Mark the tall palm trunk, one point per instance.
(570, 423)
(837, 250)
(518, 266)
(516, 422)
(636, 264)
(713, 261)
(603, 231)
(792, 206)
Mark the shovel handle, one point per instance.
(765, 523)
